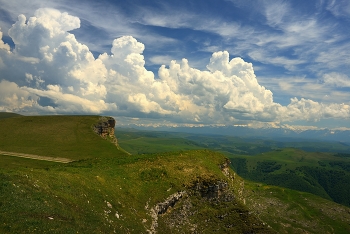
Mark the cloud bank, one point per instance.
(50, 72)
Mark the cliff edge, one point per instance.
(105, 127)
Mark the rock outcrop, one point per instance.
(162, 207)
(204, 191)
(211, 190)
(105, 127)
(191, 210)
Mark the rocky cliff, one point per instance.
(105, 127)
(207, 205)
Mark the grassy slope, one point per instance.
(252, 146)
(55, 136)
(294, 214)
(109, 190)
(291, 211)
(13, 163)
(322, 174)
(106, 191)
(5, 115)
(71, 198)
(154, 142)
(290, 158)
(76, 197)
(135, 141)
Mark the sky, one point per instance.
(179, 63)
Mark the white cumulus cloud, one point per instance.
(49, 71)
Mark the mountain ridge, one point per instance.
(280, 134)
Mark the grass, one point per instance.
(9, 162)
(54, 136)
(291, 211)
(323, 174)
(74, 198)
(252, 146)
(136, 142)
(105, 191)
(71, 198)
(148, 142)
(289, 158)
(5, 115)
(108, 191)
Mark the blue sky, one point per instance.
(208, 62)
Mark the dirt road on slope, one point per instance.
(37, 157)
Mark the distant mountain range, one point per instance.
(276, 134)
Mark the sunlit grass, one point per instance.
(106, 190)
(55, 136)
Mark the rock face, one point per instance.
(202, 193)
(206, 205)
(211, 190)
(162, 207)
(105, 128)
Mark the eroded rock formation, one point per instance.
(105, 128)
(207, 205)
(204, 190)
(162, 207)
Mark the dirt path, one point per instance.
(37, 157)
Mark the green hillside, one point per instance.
(5, 115)
(324, 174)
(109, 191)
(55, 136)
(145, 142)
(138, 141)
(291, 211)
(253, 146)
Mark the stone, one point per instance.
(105, 128)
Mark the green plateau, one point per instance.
(151, 182)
